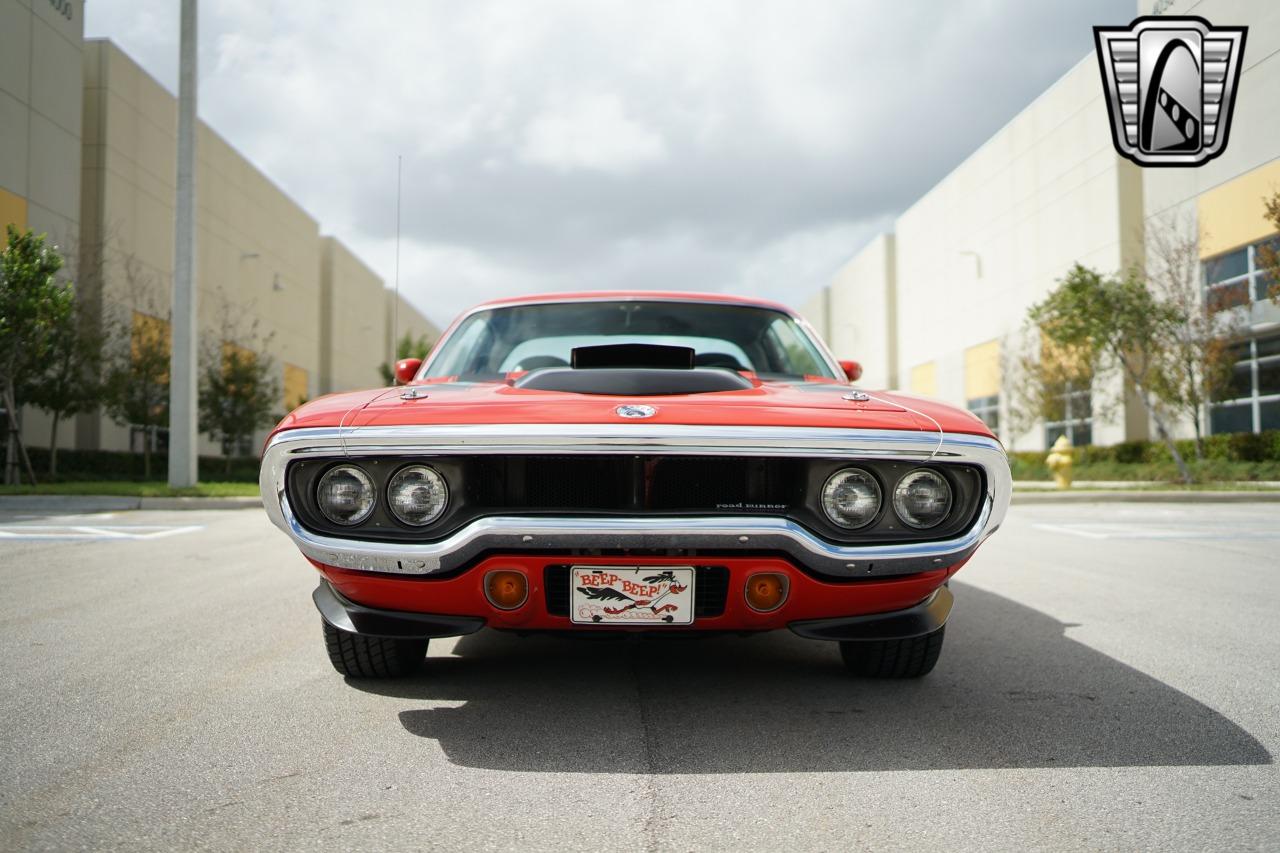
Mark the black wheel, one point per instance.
(893, 658)
(358, 656)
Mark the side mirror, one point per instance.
(852, 370)
(406, 369)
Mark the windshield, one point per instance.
(490, 344)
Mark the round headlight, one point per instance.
(346, 495)
(417, 495)
(851, 498)
(922, 499)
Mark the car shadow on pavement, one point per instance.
(1011, 690)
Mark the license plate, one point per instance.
(629, 595)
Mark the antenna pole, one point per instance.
(395, 308)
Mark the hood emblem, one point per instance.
(636, 411)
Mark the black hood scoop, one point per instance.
(634, 381)
(631, 355)
(634, 370)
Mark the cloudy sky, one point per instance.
(745, 146)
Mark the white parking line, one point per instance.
(99, 532)
(1071, 530)
(1104, 530)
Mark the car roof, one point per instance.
(645, 295)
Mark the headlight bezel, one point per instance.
(366, 481)
(968, 484)
(302, 480)
(391, 504)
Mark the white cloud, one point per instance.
(590, 132)
(609, 143)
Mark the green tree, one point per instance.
(1035, 377)
(136, 381)
(407, 347)
(1121, 326)
(238, 393)
(1194, 362)
(238, 388)
(32, 303)
(1268, 254)
(70, 382)
(135, 359)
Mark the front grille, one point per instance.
(710, 589)
(629, 483)
(555, 581)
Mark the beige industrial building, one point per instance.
(88, 156)
(937, 307)
(40, 116)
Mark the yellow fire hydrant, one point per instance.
(1060, 461)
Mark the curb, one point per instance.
(200, 503)
(1087, 497)
(117, 503)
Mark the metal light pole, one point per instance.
(182, 369)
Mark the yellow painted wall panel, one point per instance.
(924, 379)
(1231, 214)
(13, 211)
(982, 370)
(295, 386)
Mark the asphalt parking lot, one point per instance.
(1111, 680)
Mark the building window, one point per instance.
(1072, 416)
(988, 409)
(1238, 278)
(1251, 400)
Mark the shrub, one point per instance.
(1231, 456)
(1130, 452)
(94, 465)
(1250, 446)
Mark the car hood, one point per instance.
(781, 404)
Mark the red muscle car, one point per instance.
(661, 462)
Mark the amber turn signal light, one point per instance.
(506, 590)
(766, 592)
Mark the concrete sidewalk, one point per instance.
(1139, 491)
(1087, 496)
(114, 503)
(1127, 485)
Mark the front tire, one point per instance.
(361, 656)
(910, 658)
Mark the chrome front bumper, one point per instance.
(726, 534)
